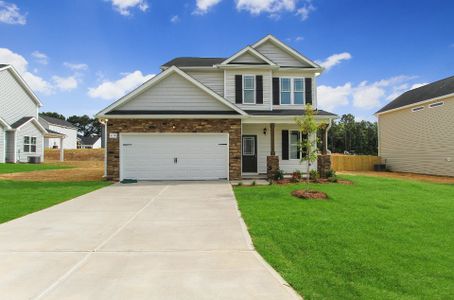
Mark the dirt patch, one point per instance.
(309, 194)
(401, 175)
(80, 171)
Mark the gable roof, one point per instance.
(151, 82)
(58, 122)
(22, 82)
(24, 120)
(251, 51)
(288, 49)
(89, 140)
(193, 62)
(426, 92)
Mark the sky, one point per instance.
(80, 56)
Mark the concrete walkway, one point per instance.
(141, 241)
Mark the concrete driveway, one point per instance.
(141, 241)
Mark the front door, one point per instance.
(249, 155)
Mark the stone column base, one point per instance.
(323, 165)
(272, 165)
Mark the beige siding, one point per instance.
(15, 103)
(230, 87)
(279, 56)
(174, 93)
(264, 147)
(2, 144)
(247, 58)
(29, 129)
(212, 79)
(419, 142)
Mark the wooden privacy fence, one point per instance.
(354, 162)
(74, 154)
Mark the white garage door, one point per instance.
(174, 156)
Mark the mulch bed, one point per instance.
(321, 181)
(309, 194)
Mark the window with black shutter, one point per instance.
(284, 144)
(238, 89)
(276, 91)
(259, 89)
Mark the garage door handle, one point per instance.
(175, 160)
(222, 144)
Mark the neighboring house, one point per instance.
(62, 127)
(214, 118)
(90, 142)
(21, 134)
(416, 130)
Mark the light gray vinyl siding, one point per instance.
(15, 103)
(10, 142)
(279, 56)
(174, 93)
(69, 142)
(230, 88)
(212, 79)
(247, 58)
(419, 142)
(29, 129)
(302, 74)
(2, 144)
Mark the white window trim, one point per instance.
(254, 89)
(436, 104)
(292, 90)
(30, 144)
(416, 109)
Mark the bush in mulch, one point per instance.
(309, 194)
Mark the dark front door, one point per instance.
(249, 153)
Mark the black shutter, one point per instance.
(259, 89)
(284, 144)
(276, 90)
(308, 87)
(238, 89)
(298, 153)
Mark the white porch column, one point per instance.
(62, 150)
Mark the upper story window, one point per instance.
(29, 144)
(248, 89)
(292, 91)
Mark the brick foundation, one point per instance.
(323, 165)
(230, 126)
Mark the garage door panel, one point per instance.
(152, 157)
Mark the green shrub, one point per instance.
(279, 175)
(314, 175)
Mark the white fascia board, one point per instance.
(287, 49)
(37, 124)
(153, 81)
(280, 119)
(148, 116)
(241, 66)
(24, 85)
(5, 125)
(415, 104)
(251, 51)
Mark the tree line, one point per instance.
(354, 137)
(86, 126)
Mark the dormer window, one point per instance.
(292, 91)
(249, 89)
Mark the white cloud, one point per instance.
(109, 90)
(299, 38)
(40, 57)
(274, 8)
(10, 14)
(330, 98)
(76, 67)
(203, 6)
(175, 19)
(65, 83)
(35, 82)
(124, 6)
(334, 59)
(367, 96)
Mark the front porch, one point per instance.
(271, 146)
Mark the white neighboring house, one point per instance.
(21, 134)
(90, 142)
(62, 127)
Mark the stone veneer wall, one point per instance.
(231, 126)
(323, 165)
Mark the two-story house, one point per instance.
(214, 118)
(21, 134)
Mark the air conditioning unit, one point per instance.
(34, 159)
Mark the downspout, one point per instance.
(326, 136)
(104, 122)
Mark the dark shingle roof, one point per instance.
(89, 140)
(287, 112)
(3, 65)
(21, 122)
(429, 91)
(194, 61)
(58, 122)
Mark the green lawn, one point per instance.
(16, 168)
(377, 239)
(19, 198)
